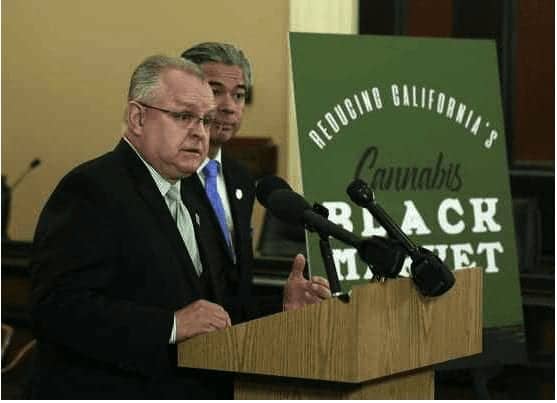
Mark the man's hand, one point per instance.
(299, 291)
(200, 317)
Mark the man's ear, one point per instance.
(135, 117)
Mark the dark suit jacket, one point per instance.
(240, 188)
(109, 270)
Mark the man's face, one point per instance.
(229, 89)
(175, 147)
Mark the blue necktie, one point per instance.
(211, 171)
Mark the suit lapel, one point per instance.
(150, 194)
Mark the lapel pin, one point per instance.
(197, 219)
(239, 194)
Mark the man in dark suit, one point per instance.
(117, 274)
(229, 207)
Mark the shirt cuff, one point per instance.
(173, 334)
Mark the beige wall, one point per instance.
(66, 66)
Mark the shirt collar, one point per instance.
(162, 184)
(218, 158)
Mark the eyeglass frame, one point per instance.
(184, 116)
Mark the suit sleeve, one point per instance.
(75, 302)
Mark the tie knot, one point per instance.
(211, 170)
(173, 194)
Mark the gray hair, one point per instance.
(145, 78)
(218, 52)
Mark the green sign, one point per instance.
(420, 121)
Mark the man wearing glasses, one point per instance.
(118, 274)
(223, 192)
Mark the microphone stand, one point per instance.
(6, 203)
(7, 192)
(327, 256)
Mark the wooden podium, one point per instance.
(379, 345)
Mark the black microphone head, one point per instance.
(267, 185)
(385, 255)
(288, 206)
(360, 193)
(430, 275)
(35, 163)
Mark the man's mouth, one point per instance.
(192, 150)
(224, 126)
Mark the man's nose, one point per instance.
(228, 103)
(198, 129)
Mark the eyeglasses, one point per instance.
(185, 118)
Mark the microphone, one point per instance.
(379, 252)
(360, 193)
(267, 185)
(35, 163)
(294, 209)
(430, 274)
